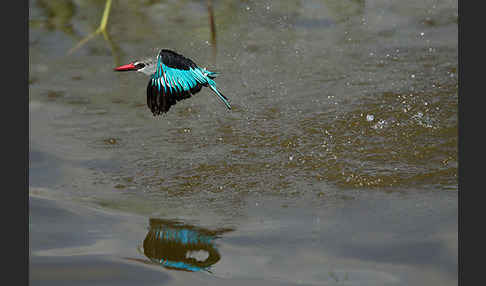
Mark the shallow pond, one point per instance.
(336, 165)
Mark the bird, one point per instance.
(173, 77)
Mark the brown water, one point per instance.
(337, 164)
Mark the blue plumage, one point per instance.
(171, 244)
(176, 78)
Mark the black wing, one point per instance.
(175, 60)
(159, 101)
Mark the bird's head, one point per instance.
(146, 67)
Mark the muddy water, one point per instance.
(337, 162)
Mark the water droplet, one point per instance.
(370, 117)
(380, 124)
(111, 141)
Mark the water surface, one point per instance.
(337, 163)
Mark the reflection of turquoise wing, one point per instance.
(184, 236)
(180, 265)
(172, 247)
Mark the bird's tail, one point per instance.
(223, 98)
(211, 74)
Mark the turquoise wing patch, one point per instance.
(174, 80)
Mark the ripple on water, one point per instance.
(414, 145)
(408, 143)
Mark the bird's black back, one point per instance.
(175, 60)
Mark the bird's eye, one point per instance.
(140, 65)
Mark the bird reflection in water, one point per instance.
(179, 246)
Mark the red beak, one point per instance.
(128, 67)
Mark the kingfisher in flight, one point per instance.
(173, 77)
